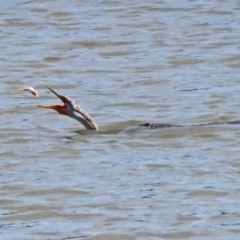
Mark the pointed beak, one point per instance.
(47, 106)
(57, 107)
(59, 96)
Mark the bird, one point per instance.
(72, 109)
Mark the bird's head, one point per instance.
(64, 109)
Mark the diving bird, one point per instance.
(72, 109)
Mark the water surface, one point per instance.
(125, 63)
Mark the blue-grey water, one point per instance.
(126, 63)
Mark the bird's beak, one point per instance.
(57, 107)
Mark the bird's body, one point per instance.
(158, 125)
(76, 112)
(72, 109)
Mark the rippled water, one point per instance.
(126, 63)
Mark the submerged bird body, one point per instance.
(158, 125)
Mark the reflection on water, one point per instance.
(161, 62)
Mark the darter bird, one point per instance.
(73, 110)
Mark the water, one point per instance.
(125, 63)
